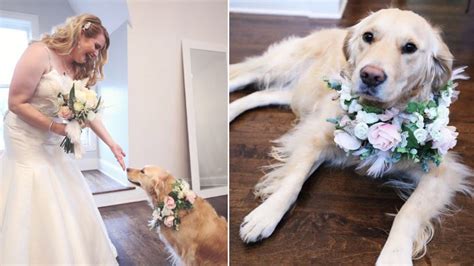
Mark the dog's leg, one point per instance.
(304, 150)
(279, 66)
(412, 227)
(258, 99)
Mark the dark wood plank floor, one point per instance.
(340, 217)
(135, 243)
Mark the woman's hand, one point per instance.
(58, 128)
(119, 154)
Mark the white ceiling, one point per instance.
(113, 13)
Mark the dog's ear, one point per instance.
(349, 45)
(441, 65)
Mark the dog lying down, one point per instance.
(188, 225)
(393, 84)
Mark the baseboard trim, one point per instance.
(304, 13)
(120, 197)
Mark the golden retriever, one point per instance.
(202, 235)
(391, 57)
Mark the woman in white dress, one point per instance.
(47, 213)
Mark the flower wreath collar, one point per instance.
(167, 211)
(383, 137)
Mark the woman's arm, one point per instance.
(99, 129)
(32, 65)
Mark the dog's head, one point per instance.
(156, 182)
(395, 55)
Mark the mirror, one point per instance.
(205, 76)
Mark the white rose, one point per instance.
(434, 129)
(346, 141)
(404, 141)
(361, 130)
(78, 106)
(91, 116)
(91, 99)
(443, 111)
(420, 135)
(342, 100)
(419, 120)
(354, 107)
(368, 118)
(431, 112)
(80, 96)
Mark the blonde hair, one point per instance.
(66, 36)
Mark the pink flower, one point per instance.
(388, 114)
(447, 139)
(65, 112)
(169, 221)
(384, 136)
(191, 197)
(346, 141)
(169, 202)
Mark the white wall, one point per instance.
(157, 114)
(114, 90)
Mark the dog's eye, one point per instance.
(409, 48)
(142, 171)
(368, 37)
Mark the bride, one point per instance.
(47, 213)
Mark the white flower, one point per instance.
(346, 141)
(431, 112)
(446, 96)
(180, 195)
(342, 100)
(91, 99)
(443, 111)
(404, 142)
(156, 214)
(81, 96)
(361, 130)
(78, 106)
(421, 135)
(447, 139)
(368, 118)
(354, 107)
(434, 129)
(91, 116)
(166, 212)
(419, 120)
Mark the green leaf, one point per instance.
(372, 109)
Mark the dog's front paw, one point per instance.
(261, 222)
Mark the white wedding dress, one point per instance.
(47, 213)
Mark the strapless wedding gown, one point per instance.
(47, 213)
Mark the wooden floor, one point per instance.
(339, 217)
(135, 243)
(100, 183)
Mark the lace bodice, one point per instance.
(45, 97)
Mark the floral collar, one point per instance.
(382, 137)
(167, 211)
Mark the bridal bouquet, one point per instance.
(78, 107)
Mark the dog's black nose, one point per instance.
(372, 75)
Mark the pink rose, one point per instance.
(346, 141)
(65, 112)
(169, 221)
(191, 197)
(169, 202)
(384, 136)
(389, 114)
(447, 140)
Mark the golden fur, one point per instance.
(202, 237)
(291, 73)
